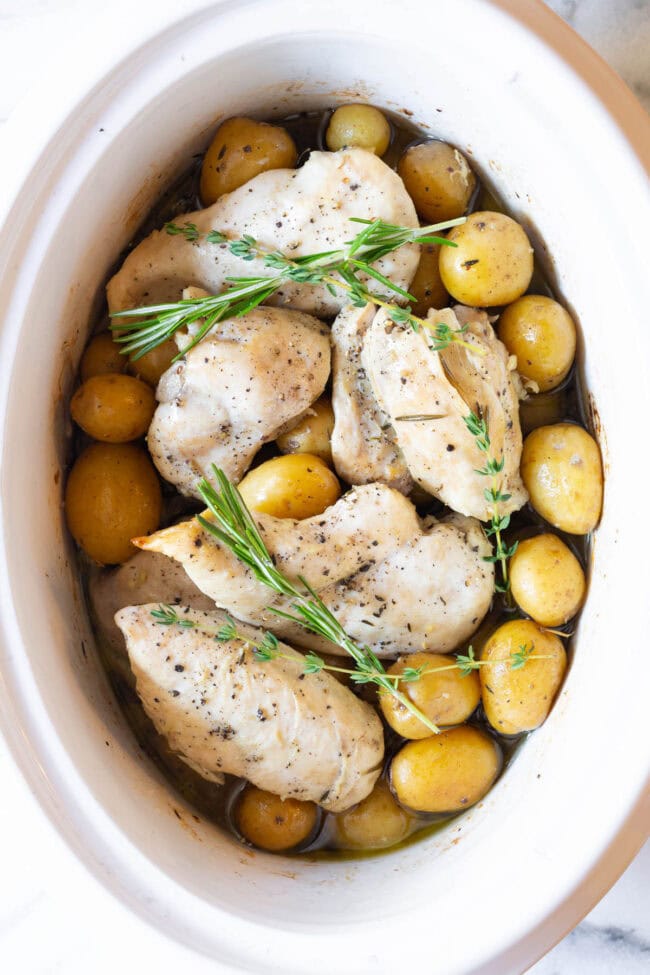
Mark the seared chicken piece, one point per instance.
(243, 385)
(363, 443)
(392, 582)
(223, 710)
(297, 211)
(410, 380)
(146, 577)
(431, 593)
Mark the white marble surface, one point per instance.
(55, 918)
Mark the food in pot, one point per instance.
(326, 571)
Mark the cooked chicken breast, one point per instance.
(297, 211)
(247, 381)
(222, 710)
(396, 583)
(366, 524)
(363, 443)
(431, 593)
(410, 380)
(147, 577)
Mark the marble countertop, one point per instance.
(54, 917)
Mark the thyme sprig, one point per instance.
(139, 330)
(235, 528)
(268, 648)
(499, 522)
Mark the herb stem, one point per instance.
(139, 330)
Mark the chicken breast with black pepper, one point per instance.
(427, 395)
(364, 448)
(221, 709)
(297, 211)
(393, 581)
(242, 386)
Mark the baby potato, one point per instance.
(376, 823)
(492, 264)
(542, 334)
(519, 700)
(562, 471)
(312, 435)
(446, 772)
(292, 486)
(112, 495)
(358, 125)
(542, 409)
(152, 365)
(445, 697)
(241, 149)
(272, 823)
(427, 287)
(113, 408)
(547, 580)
(438, 179)
(101, 355)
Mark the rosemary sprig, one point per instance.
(139, 330)
(235, 528)
(477, 426)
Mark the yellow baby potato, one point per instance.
(547, 580)
(112, 495)
(445, 697)
(312, 435)
(562, 471)
(438, 179)
(293, 486)
(427, 287)
(542, 409)
(447, 772)
(101, 355)
(272, 823)
(518, 700)
(375, 823)
(241, 149)
(492, 264)
(361, 126)
(151, 366)
(542, 334)
(113, 407)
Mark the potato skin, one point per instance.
(446, 698)
(313, 434)
(112, 495)
(542, 334)
(427, 287)
(291, 486)
(542, 410)
(151, 366)
(362, 126)
(101, 355)
(492, 264)
(272, 823)
(241, 149)
(447, 772)
(520, 700)
(375, 823)
(438, 179)
(562, 471)
(113, 408)
(547, 580)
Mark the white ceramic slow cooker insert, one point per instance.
(86, 161)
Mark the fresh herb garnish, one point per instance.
(234, 527)
(139, 330)
(478, 427)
